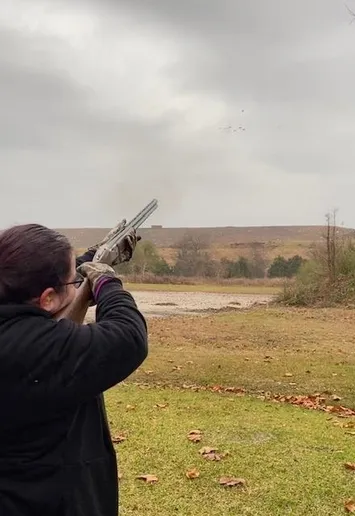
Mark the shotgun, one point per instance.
(76, 311)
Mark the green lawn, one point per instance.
(205, 287)
(291, 458)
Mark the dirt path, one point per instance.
(160, 304)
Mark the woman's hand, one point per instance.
(94, 271)
(122, 252)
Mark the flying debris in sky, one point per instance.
(231, 128)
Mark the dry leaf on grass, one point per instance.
(130, 407)
(149, 479)
(118, 438)
(219, 388)
(350, 465)
(336, 398)
(288, 375)
(192, 473)
(350, 506)
(211, 454)
(342, 411)
(161, 405)
(195, 436)
(239, 391)
(312, 402)
(207, 449)
(232, 482)
(215, 456)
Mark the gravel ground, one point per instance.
(160, 304)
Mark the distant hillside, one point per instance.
(223, 241)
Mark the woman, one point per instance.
(56, 455)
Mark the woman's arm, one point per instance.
(65, 364)
(86, 257)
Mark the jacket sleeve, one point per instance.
(86, 257)
(77, 362)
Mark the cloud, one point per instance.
(107, 105)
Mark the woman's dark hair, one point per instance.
(32, 258)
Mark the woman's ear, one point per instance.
(48, 300)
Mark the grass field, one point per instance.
(205, 287)
(291, 459)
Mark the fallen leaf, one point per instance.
(350, 505)
(343, 411)
(211, 454)
(150, 479)
(350, 465)
(232, 482)
(288, 375)
(206, 450)
(118, 438)
(336, 398)
(214, 456)
(195, 436)
(161, 405)
(236, 390)
(177, 368)
(312, 402)
(130, 407)
(149, 372)
(239, 391)
(192, 473)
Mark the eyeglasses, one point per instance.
(77, 283)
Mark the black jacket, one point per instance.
(56, 455)
(86, 257)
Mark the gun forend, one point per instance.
(135, 223)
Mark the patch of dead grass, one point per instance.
(274, 350)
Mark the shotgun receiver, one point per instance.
(76, 311)
(136, 222)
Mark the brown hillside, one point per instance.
(230, 237)
(223, 242)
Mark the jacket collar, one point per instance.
(8, 311)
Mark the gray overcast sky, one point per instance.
(107, 104)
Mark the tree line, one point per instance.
(328, 277)
(194, 260)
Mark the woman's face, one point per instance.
(53, 301)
